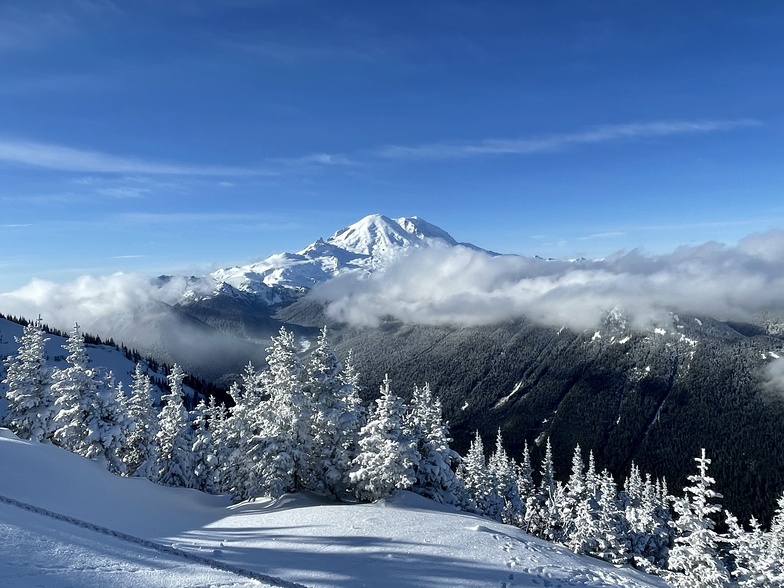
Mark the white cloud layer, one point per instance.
(466, 287)
(456, 286)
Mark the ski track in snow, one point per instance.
(59, 548)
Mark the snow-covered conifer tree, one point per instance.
(205, 460)
(110, 424)
(545, 510)
(30, 402)
(648, 519)
(773, 561)
(574, 494)
(525, 480)
(388, 456)
(240, 437)
(753, 561)
(74, 389)
(695, 554)
(611, 539)
(328, 462)
(479, 482)
(139, 451)
(435, 477)
(502, 469)
(174, 466)
(286, 441)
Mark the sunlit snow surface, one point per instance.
(404, 541)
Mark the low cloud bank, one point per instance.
(135, 310)
(465, 287)
(98, 304)
(459, 286)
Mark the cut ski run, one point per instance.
(129, 532)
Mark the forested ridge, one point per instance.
(300, 424)
(651, 398)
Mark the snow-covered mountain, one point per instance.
(368, 245)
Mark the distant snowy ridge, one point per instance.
(367, 246)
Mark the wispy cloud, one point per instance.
(68, 159)
(604, 235)
(314, 159)
(557, 142)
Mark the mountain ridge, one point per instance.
(366, 246)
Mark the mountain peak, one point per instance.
(368, 245)
(378, 235)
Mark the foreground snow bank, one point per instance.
(403, 541)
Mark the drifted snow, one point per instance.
(400, 542)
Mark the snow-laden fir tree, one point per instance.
(72, 388)
(435, 478)
(752, 559)
(575, 493)
(525, 480)
(648, 519)
(139, 451)
(611, 539)
(545, 509)
(174, 464)
(503, 471)
(239, 438)
(88, 417)
(110, 424)
(352, 416)
(30, 406)
(334, 422)
(388, 456)
(695, 555)
(286, 442)
(776, 541)
(479, 481)
(204, 453)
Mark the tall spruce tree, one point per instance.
(328, 462)
(139, 451)
(286, 443)
(30, 407)
(174, 465)
(388, 456)
(695, 557)
(502, 469)
(435, 478)
(479, 481)
(74, 389)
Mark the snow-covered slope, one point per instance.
(106, 358)
(366, 246)
(401, 542)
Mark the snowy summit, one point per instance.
(368, 245)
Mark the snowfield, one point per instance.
(131, 532)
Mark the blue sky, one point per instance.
(182, 136)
